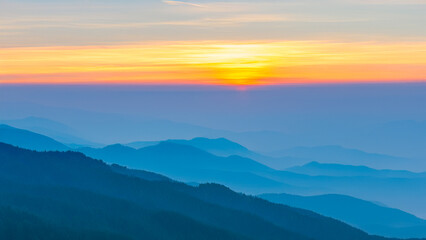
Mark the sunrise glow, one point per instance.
(207, 62)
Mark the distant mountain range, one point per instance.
(61, 193)
(266, 131)
(181, 160)
(365, 215)
(341, 155)
(339, 170)
(88, 130)
(225, 148)
(290, 157)
(189, 164)
(218, 146)
(78, 128)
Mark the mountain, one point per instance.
(30, 140)
(19, 225)
(142, 144)
(289, 157)
(79, 209)
(340, 155)
(53, 129)
(176, 155)
(406, 194)
(365, 215)
(326, 169)
(225, 148)
(149, 176)
(190, 164)
(216, 146)
(78, 192)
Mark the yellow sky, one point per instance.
(217, 62)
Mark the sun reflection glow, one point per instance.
(238, 64)
(229, 63)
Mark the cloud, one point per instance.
(229, 21)
(390, 2)
(76, 24)
(180, 3)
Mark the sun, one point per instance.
(237, 64)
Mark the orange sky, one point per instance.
(217, 62)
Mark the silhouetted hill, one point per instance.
(79, 209)
(365, 215)
(75, 190)
(142, 208)
(150, 176)
(328, 169)
(18, 225)
(30, 140)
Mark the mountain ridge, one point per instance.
(75, 170)
(28, 139)
(365, 215)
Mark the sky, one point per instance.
(241, 42)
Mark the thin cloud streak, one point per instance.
(72, 23)
(211, 22)
(178, 3)
(389, 2)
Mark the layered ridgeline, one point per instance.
(192, 161)
(48, 127)
(29, 140)
(347, 156)
(339, 170)
(218, 146)
(368, 216)
(190, 164)
(65, 193)
(292, 156)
